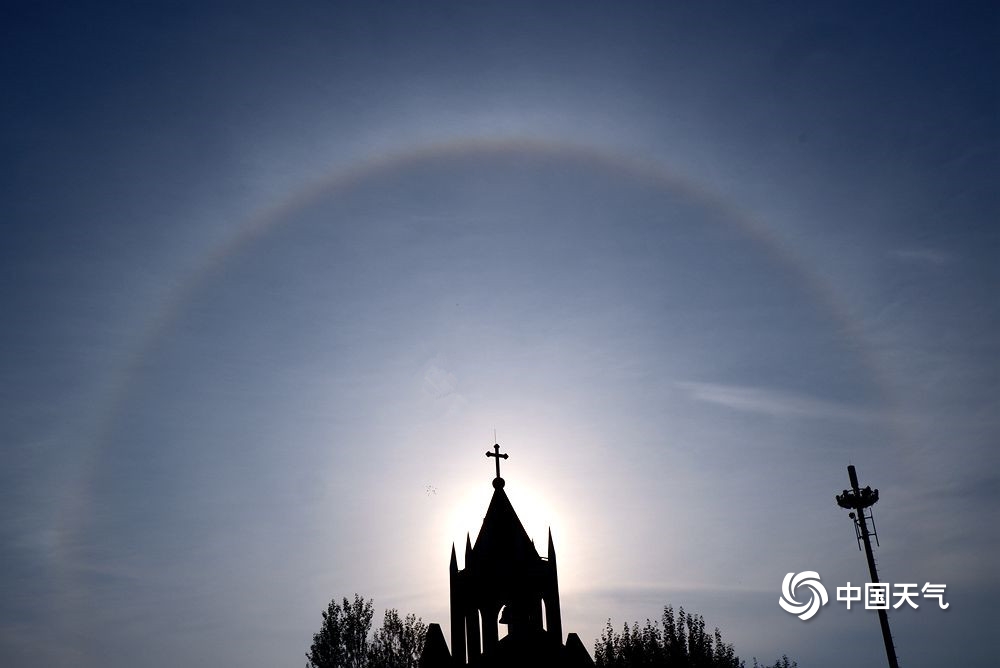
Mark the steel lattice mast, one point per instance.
(859, 501)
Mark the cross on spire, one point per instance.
(496, 453)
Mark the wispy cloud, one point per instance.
(441, 386)
(927, 256)
(773, 402)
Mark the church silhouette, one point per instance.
(505, 581)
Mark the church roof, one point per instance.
(502, 538)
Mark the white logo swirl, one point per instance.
(817, 595)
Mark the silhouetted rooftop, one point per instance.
(502, 538)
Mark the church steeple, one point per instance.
(505, 581)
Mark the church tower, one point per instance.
(505, 581)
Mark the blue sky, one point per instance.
(273, 275)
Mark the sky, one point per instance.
(273, 275)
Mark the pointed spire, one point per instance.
(552, 547)
(453, 567)
(468, 549)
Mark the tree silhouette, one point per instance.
(343, 640)
(399, 642)
(781, 663)
(673, 642)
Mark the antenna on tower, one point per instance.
(860, 502)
